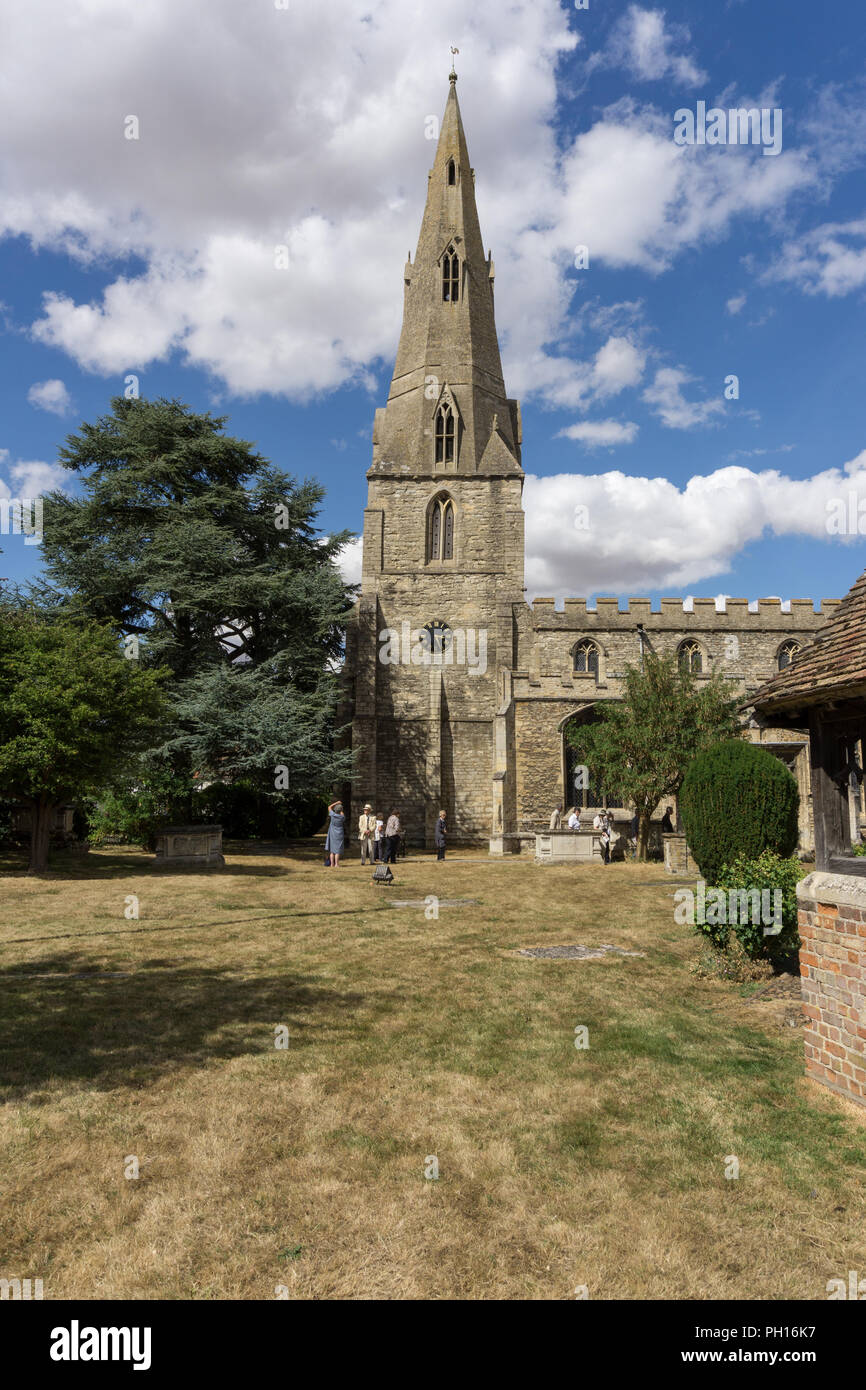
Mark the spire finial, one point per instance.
(452, 76)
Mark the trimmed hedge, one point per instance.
(738, 800)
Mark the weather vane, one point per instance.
(453, 74)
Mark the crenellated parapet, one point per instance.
(680, 613)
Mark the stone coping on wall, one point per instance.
(843, 890)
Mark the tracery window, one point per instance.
(691, 658)
(440, 530)
(787, 652)
(586, 659)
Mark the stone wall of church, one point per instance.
(488, 533)
(744, 645)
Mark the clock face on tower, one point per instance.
(437, 636)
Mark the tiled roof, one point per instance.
(833, 667)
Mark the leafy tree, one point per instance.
(639, 747)
(737, 801)
(195, 548)
(72, 709)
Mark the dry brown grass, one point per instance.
(408, 1038)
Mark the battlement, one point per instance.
(800, 610)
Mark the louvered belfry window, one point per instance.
(450, 276)
(444, 434)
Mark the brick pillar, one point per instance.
(832, 917)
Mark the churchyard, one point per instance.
(247, 1090)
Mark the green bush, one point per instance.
(245, 812)
(738, 800)
(768, 873)
(135, 812)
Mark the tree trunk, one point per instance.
(643, 835)
(41, 812)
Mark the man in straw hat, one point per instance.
(366, 828)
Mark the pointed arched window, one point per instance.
(450, 276)
(452, 171)
(444, 434)
(586, 659)
(440, 529)
(691, 658)
(787, 652)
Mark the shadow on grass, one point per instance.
(65, 1021)
(144, 928)
(101, 865)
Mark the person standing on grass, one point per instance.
(335, 840)
(574, 819)
(441, 835)
(379, 839)
(392, 837)
(366, 831)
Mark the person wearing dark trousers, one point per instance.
(441, 835)
(392, 838)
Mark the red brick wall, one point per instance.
(832, 914)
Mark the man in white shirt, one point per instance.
(574, 819)
(366, 830)
(601, 823)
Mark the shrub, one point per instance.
(134, 813)
(738, 800)
(731, 965)
(768, 873)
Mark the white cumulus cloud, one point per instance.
(666, 399)
(609, 533)
(595, 434)
(644, 43)
(51, 396)
(830, 260)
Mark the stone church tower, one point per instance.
(461, 695)
(443, 532)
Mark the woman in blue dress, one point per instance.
(335, 841)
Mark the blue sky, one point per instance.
(308, 127)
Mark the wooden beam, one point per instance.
(829, 805)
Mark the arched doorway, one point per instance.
(582, 788)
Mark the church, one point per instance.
(458, 691)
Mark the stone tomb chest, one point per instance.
(197, 845)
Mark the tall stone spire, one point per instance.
(448, 353)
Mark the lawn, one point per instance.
(303, 1167)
